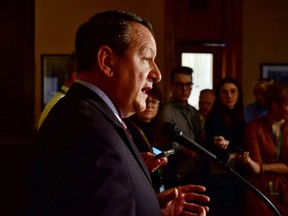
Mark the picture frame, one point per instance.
(53, 67)
(275, 71)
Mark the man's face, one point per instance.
(259, 98)
(181, 87)
(135, 72)
(206, 101)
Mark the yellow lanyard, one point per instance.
(278, 143)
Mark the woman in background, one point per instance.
(224, 129)
(142, 126)
(266, 140)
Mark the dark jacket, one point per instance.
(86, 163)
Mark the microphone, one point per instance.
(173, 133)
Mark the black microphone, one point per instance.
(173, 133)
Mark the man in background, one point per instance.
(206, 101)
(183, 165)
(257, 108)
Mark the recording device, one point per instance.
(173, 133)
(159, 154)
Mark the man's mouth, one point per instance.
(145, 89)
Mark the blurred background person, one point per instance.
(224, 130)
(206, 101)
(70, 77)
(183, 165)
(266, 140)
(257, 108)
(143, 129)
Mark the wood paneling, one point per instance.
(200, 21)
(17, 70)
(17, 103)
(213, 26)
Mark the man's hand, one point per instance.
(183, 200)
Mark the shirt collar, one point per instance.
(102, 95)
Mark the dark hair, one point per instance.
(155, 92)
(180, 70)
(110, 28)
(277, 93)
(221, 109)
(71, 66)
(206, 91)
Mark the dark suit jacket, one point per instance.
(86, 163)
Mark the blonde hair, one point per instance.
(276, 93)
(261, 84)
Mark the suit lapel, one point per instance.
(132, 147)
(94, 99)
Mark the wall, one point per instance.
(265, 38)
(265, 32)
(57, 21)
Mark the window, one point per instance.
(202, 65)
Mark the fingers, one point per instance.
(147, 155)
(153, 165)
(191, 188)
(167, 196)
(194, 197)
(193, 209)
(243, 157)
(221, 142)
(163, 161)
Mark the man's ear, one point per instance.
(105, 60)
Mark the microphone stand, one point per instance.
(250, 186)
(174, 132)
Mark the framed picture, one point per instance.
(277, 72)
(53, 68)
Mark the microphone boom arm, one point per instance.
(172, 131)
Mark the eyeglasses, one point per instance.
(182, 85)
(154, 102)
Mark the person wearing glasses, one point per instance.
(143, 127)
(183, 166)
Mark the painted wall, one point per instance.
(265, 38)
(265, 32)
(56, 23)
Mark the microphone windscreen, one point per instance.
(170, 130)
